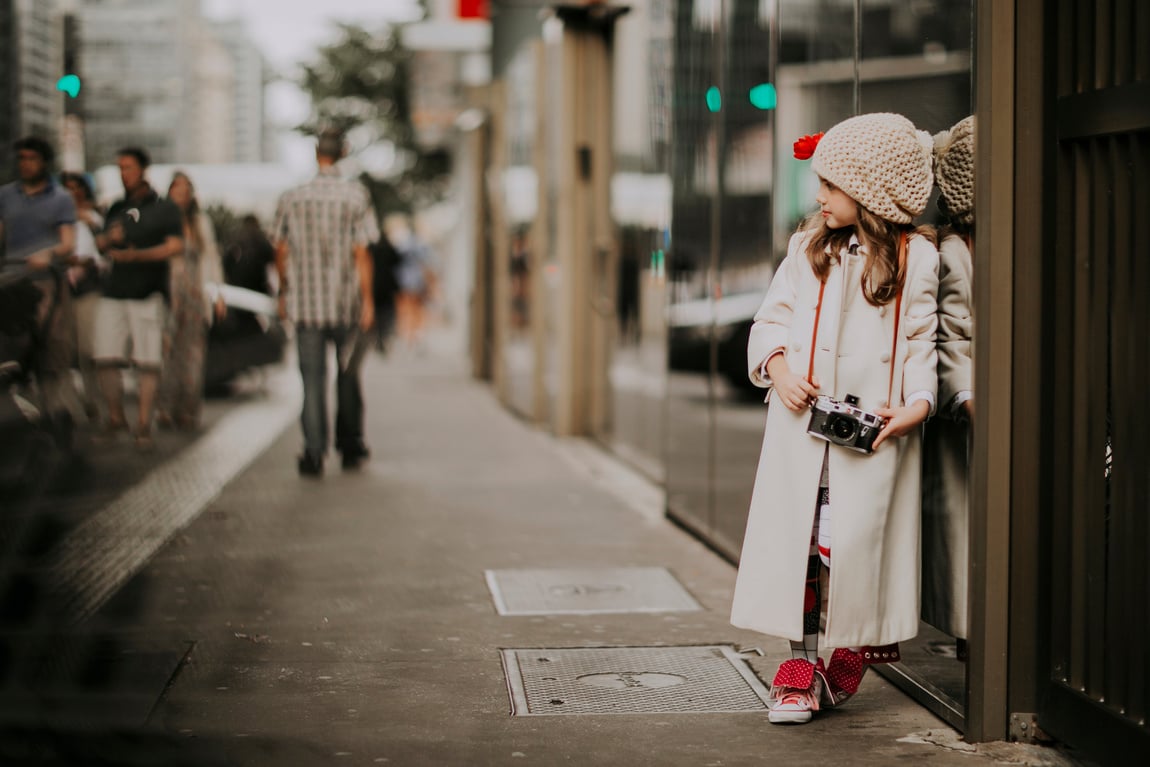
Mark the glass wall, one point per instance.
(738, 196)
(520, 208)
(691, 262)
(641, 209)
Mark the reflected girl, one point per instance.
(947, 439)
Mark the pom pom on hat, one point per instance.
(881, 161)
(954, 171)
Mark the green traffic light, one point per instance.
(763, 96)
(714, 99)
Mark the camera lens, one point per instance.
(843, 429)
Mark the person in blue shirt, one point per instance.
(37, 227)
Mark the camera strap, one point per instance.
(897, 317)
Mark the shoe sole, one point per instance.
(789, 717)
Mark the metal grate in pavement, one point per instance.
(587, 591)
(630, 680)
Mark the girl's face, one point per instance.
(180, 192)
(839, 209)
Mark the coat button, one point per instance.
(882, 311)
(884, 357)
(796, 346)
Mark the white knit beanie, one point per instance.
(954, 171)
(881, 161)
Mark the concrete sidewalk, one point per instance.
(348, 620)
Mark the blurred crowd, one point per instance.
(155, 288)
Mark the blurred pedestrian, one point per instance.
(247, 262)
(416, 279)
(385, 262)
(181, 393)
(322, 231)
(144, 232)
(37, 224)
(84, 277)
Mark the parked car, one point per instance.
(690, 328)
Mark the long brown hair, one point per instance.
(882, 278)
(191, 214)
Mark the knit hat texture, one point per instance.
(881, 161)
(954, 171)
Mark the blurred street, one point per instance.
(355, 619)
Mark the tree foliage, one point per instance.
(361, 84)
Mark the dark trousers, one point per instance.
(312, 343)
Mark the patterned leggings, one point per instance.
(820, 554)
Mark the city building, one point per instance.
(250, 74)
(157, 74)
(31, 63)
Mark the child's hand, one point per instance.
(795, 392)
(901, 420)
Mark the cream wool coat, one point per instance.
(946, 447)
(874, 578)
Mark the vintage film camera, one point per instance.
(842, 423)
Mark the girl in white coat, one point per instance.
(849, 312)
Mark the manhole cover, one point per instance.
(586, 591)
(631, 680)
(625, 679)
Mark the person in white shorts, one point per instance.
(143, 233)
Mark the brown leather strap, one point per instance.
(897, 317)
(815, 332)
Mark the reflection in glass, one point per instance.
(946, 443)
(744, 264)
(915, 60)
(694, 180)
(641, 212)
(520, 204)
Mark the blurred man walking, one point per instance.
(143, 234)
(322, 231)
(38, 228)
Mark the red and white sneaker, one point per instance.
(796, 691)
(847, 667)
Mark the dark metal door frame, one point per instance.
(1060, 582)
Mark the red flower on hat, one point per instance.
(805, 147)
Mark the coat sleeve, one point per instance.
(211, 267)
(955, 321)
(772, 323)
(920, 319)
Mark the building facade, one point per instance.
(250, 75)
(157, 74)
(31, 62)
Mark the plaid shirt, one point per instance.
(322, 221)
